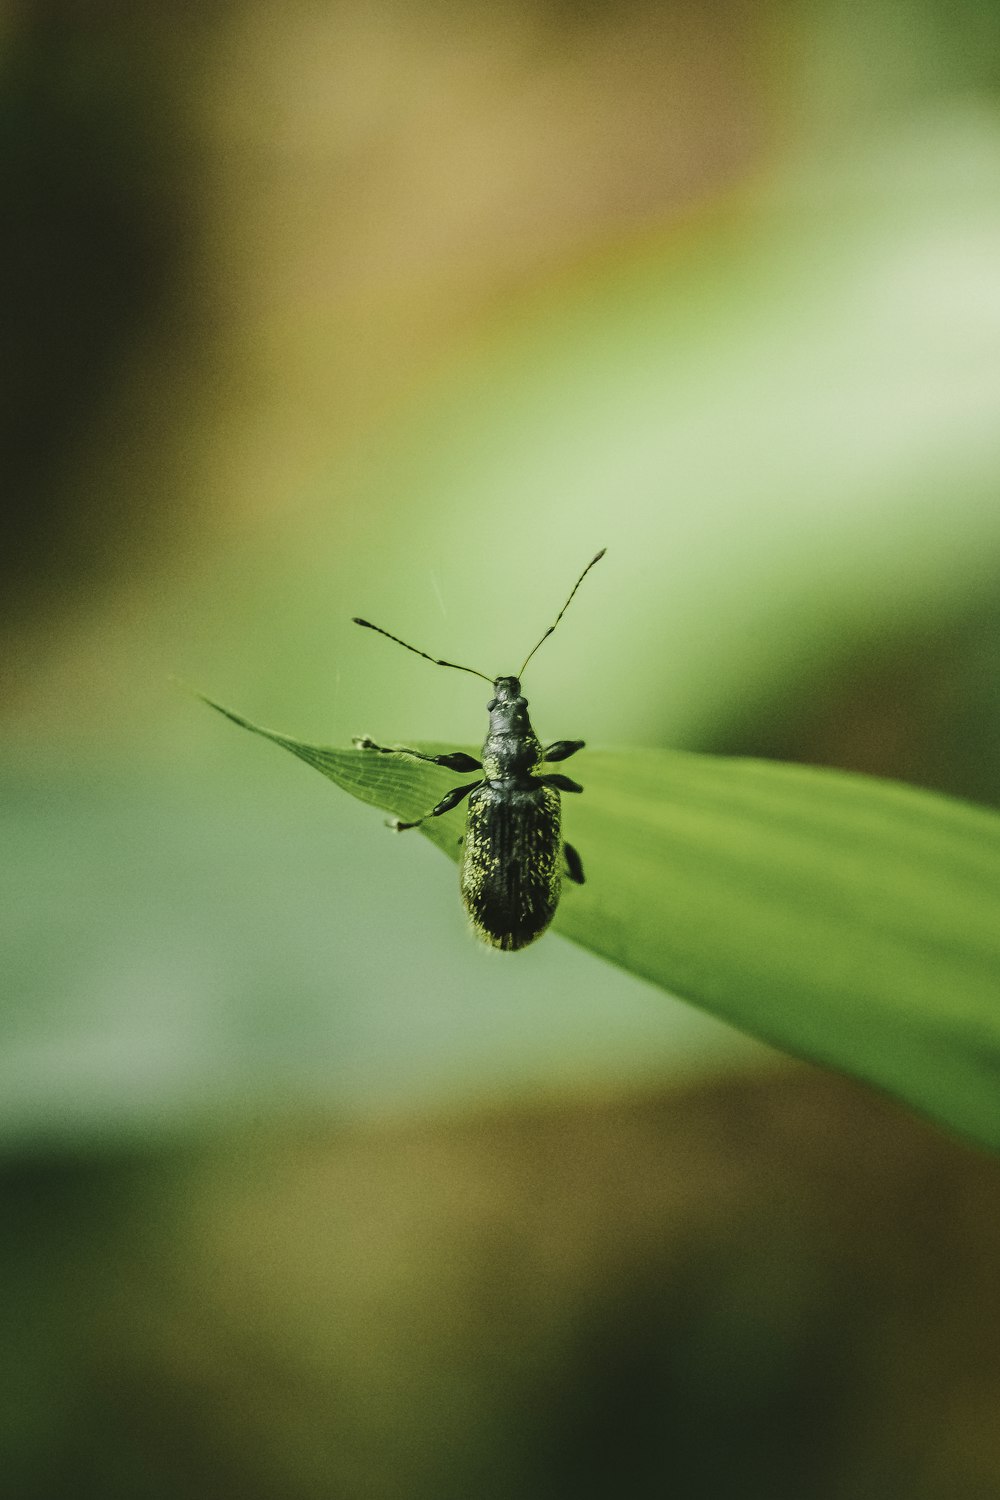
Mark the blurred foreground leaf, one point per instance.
(848, 920)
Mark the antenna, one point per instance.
(565, 607)
(436, 660)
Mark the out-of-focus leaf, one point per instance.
(849, 920)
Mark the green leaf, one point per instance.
(848, 920)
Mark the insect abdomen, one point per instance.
(510, 863)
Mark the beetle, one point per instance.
(511, 871)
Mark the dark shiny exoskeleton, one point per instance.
(513, 852)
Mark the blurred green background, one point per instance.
(404, 311)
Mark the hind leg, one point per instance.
(574, 864)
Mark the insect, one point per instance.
(512, 849)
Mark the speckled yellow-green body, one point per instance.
(510, 872)
(511, 861)
(513, 851)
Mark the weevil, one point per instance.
(512, 848)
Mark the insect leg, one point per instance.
(574, 864)
(562, 749)
(448, 801)
(561, 783)
(456, 760)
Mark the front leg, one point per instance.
(455, 760)
(562, 749)
(448, 801)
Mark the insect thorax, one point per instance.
(511, 749)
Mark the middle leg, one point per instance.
(561, 783)
(448, 801)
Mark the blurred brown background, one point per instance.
(312, 311)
